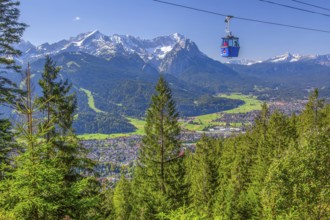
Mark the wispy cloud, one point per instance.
(76, 18)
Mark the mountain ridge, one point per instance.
(287, 57)
(98, 44)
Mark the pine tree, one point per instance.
(32, 189)
(70, 156)
(6, 146)
(59, 104)
(202, 175)
(11, 33)
(311, 118)
(159, 176)
(122, 199)
(106, 207)
(234, 201)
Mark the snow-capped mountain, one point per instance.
(287, 58)
(97, 44)
(246, 62)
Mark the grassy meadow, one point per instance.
(197, 123)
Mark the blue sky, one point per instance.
(54, 20)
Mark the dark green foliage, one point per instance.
(279, 169)
(297, 183)
(232, 201)
(105, 123)
(106, 207)
(11, 33)
(78, 192)
(159, 176)
(59, 105)
(31, 191)
(6, 146)
(202, 175)
(25, 194)
(122, 199)
(53, 177)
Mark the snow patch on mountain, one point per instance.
(287, 58)
(246, 62)
(98, 44)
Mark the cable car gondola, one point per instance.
(230, 43)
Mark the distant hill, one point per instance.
(289, 76)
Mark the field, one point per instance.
(139, 124)
(197, 123)
(91, 102)
(201, 122)
(251, 103)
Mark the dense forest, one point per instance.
(279, 169)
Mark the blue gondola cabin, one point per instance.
(230, 46)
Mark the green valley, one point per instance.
(196, 123)
(202, 122)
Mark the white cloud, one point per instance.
(76, 18)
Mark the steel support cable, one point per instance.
(295, 8)
(312, 5)
(241, 18)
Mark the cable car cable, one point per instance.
(295, 8)
(315, 6)
(245, 19)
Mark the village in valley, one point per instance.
(117, 153)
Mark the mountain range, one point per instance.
(287, 58)
(121, 71)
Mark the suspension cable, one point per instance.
(242, 18)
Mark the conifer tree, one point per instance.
(233, 199)
(122, 199)
(106, 207)
(6, 146)
(311, 118)
(32, 189)
(296, 185)
(159, 176)
(60, 105)
(10, 33)
(202, 175)
(70, 156)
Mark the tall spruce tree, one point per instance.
(122, 199)
(6, 145)
(202, 175)
(59, 104)
(159, 175)
(33, 187)
(78, 191)
(11, 32)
